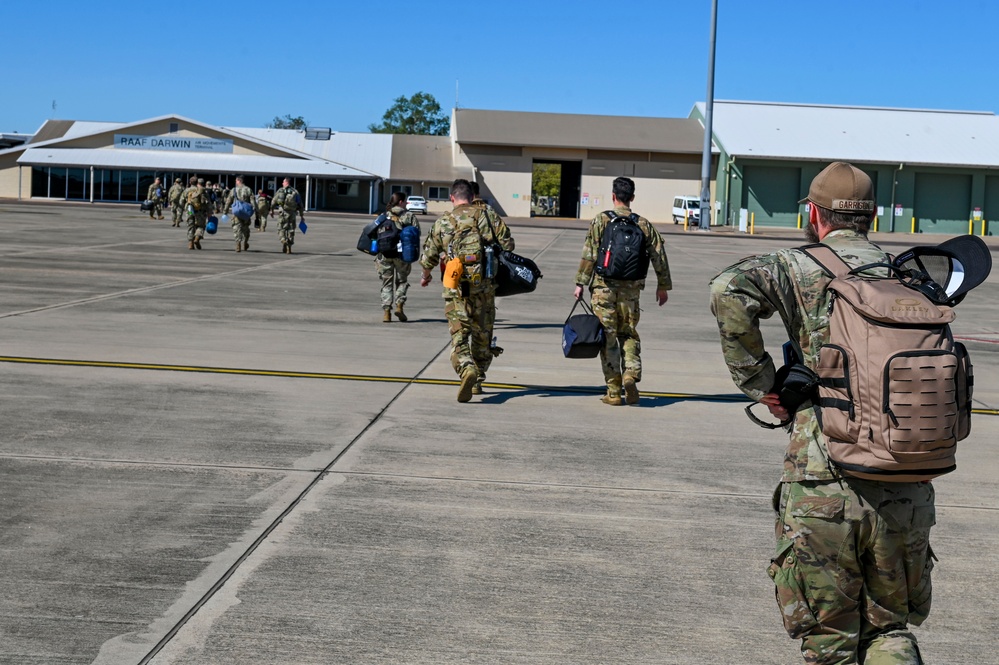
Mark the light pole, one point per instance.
(709, 104)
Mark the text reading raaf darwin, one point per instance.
(189, 143)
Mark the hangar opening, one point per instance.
(555, 187)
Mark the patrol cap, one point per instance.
(842, 187)
(201, 181)
(956, 266)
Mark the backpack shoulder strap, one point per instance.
(827, 259)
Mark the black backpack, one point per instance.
(622, 254)
(387, 236)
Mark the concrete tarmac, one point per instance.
(220, 457)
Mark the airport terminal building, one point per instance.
(934, 171)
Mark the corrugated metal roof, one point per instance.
(860, 134)
(425, 158)
(365, 152)
(563, 130)
(186, 161)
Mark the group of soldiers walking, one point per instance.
(194, 204)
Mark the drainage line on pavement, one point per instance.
(277, 521)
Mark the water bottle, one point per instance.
(374, 246)
(492, 344)
(489, 269)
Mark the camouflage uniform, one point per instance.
(616, 302)
(470, 309)
(288, 203)
(853, 561)
(240, 227)
(175, 197)
(197, 219)
(156, 212)
(263, 209)
(394, 273)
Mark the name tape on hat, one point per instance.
(850, 205)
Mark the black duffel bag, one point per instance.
(146, 205)
(582, 334)
(368, 234)
(515, 274)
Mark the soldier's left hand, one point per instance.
(662, 295)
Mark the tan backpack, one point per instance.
(895, 389)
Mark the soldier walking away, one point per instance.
(263, 209)
(199, 206)
(461, 237)
(393, 271)
(240, 227)
(175, 198)
(288, 204)
(616, 286)
(157, 195)
(852, 563)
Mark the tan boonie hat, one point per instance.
(842, 187)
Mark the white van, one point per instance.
(687, 206)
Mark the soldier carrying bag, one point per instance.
(515, 274)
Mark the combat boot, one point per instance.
(246, 245)
(197, 243)
(630, 389)
(468, 379)
(613, 397)
(399, 314)
(387, 318)
(190, 244)
(239, 246)
(477, 388)
(289, 248)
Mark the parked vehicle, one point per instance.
(689, 207)
(417, 204)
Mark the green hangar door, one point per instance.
(991, 212)
(772, 194)
(943, 203)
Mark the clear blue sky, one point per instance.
(342, 63)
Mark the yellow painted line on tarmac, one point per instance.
(367, 377)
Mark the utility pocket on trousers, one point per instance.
(790, 591)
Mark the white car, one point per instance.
(417, 204)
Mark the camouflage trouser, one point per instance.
(196, 224)
(178, 212)
(262, 218)
(395, 279)
(286, 225)
(240, 229)
(470, 321)
(618, 311)
(157, 209)
(852, 568)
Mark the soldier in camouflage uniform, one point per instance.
(199, 207)
(287, 203)
(157, 195)
(263, 209)
(471, 308)
(616, 302)
(175, 198)
(394, 272)
(240, 227)
(852, 563)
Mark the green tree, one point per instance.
(287, 122)
(547, 180)
(420, 114)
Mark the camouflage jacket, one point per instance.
(288, 200)
(239, 193)
(497, 222)
(793, 286)
(199, 191)
(175, 193)
(151, 194)
(653, 245)
(403, 217)
(438, 241)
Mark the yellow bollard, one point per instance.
(799, 220)
(971, 227)
(752, 223)
(686, 219)
(913, 225)
(875, 227)
(983, 226)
